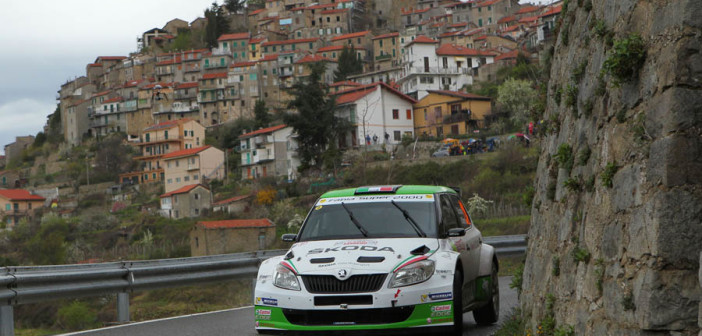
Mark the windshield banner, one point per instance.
(376, 198)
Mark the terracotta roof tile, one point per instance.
(507, 19)
(185, 152)
(256, 11)
(454, 50)
(214, 75)
(166, 124)
(458, 94)
(527, 9)
(112, 100)
(236, 223)
(19, 195)
(237, 36)
(337, 48)
(186, 85)
(423, 39)
(395, 34)
(312, 59)
(232, 199)
(352, 35)
(183, 190)
(552, 11)
(334, 11)
(353, 96)
(262, 131)
(307, 40)
(345, 83)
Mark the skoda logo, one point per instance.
(342, 273)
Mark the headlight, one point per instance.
(285, 278)
(412, 274)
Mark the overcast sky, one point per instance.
(46, 43)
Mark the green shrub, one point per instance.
(608, 174)
(515, 325)
(584, 155)
(626, 59)
(564, 157)
(599, 273)
(572, 96)
(566, 330)
(601, 88)
(556, 266)
(590, 184)
(76, 316)
(579, 71)
(528, 196)
(581, 254)
(517, 279)
(621, 115)
(572, 184)
(557, 96)
(601, 28)
(564, 34)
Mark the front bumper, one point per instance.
(433, 314)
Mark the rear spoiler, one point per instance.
(458, 190)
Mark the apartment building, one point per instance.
(245, 76)
(16, 204)
(235, 45)
(450, 113)
(161, 139)
(183, 104)
(211, 97)
(387, 51)
(265, 153)
(13, 151)
(193, 166)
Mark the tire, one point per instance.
(489, 313)
(457, 329)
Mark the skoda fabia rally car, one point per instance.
(389, 257)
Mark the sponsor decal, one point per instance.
(265, 324)
(440, 296)
(443, 319)
(423, 297)
(263, 312)
(375, 198)
(398, 293)
(429, 320)
(443, 271)
(438, 308)
(351, 248)
(441, 310)
(263, 277)
(319, 207)
(266, 301)
(322, 200)
(326, 265)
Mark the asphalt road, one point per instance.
(239, 321)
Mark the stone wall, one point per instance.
(621, 259)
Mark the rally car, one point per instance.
(385, 257)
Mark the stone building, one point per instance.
(16, 204)
(229, 236)
(13, 151)
(189, 201)
(192, 165)
(450, 113)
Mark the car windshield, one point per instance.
(379, 219)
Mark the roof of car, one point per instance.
(401, 190)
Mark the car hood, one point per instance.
(357, 256)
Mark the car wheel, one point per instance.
(457, 303)
(489, 313)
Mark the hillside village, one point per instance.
(160, 119)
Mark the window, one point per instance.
(480, 22)
(170, 181)
(409, 114)
(437, 112)
(328, 19)
(186, 179)
(397, 135)
(396, 114)
(462, 214)
(196, 177)
(338, 19)
(425, 114)
(449, 220)
(334, 54)
(197, 196)
(177, 162)
(177, 181)
(381, 42)
(225, 45)
(321, 31)
(8, 207)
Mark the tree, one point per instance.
(234, 6)
(111, 159)
(39, 140)
(518, 98)
(263, 118)
(217, 24)
(349, 64)
(255, 4)
(314, 123)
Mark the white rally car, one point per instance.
(380, 258)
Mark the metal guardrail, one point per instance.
(31, 284)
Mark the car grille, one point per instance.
(361, 283)
(348, 316)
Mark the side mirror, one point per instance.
(291, 237)
(456, 232)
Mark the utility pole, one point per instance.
(226, 165)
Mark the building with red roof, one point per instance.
(268, 152)
(375, 110)
(233, 235)
(233, 205)
(193, 200)
(16, 204)
(192, 166)
(156, 141)
(450, 113)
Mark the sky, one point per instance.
(47, 43)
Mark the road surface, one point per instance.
(239, 321)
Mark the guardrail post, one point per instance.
(7, 322)
(122, 308)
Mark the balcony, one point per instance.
(153, 140)
(191, 94)
(439, 71)
(262, 156)
(462, 116)
(192, 68)
(205, 97)
(215, 65)
(193, 166)
(383, 57)
(184, 108)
